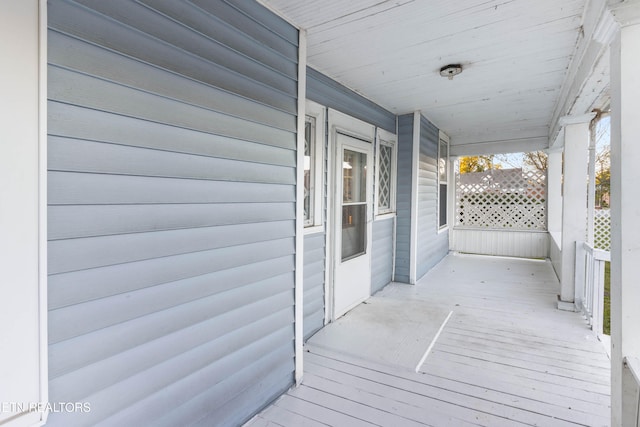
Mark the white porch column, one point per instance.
(554, 208)
(625, 215)
(23, 220)
(554, 191)
(574, 201)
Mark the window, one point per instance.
(443, 173)
(309, 169)
(313, 166)
(386, 173)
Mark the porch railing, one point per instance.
(633, 364)
(589, 280)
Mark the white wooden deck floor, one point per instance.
(506, 357)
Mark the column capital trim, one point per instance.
(606, 29)
(556, 149)
(625, 12)
(575, 120)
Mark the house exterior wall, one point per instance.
(403, 198)
(328, 93)
(432, 245)
(314, 280)
(382, 253)
(331, 94)
(172, 173)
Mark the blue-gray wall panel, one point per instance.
(128, 40)
(69, 121)
(172, 210)
(314, 262)
(431, 245)
(403, 198)
(381, 254)
(332, 94)
(75, 54)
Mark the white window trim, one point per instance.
(317, 112)
(444, 137)
(387, 138)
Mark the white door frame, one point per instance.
(340, 123)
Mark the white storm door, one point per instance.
(353, 218)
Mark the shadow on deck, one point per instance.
(506, 356)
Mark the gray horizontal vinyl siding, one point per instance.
(381, 254)
(431, 245)
(314, 262)
(171, 210)
(328, 92)
(403, 198)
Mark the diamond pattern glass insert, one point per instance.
(512, 199)
(384, 178)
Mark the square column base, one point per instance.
(566, 305)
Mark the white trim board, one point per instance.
(299, 242)
(415, 165)
(317, 112)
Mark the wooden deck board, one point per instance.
(534, 345)
(495, 409)
(507, 357)
(283, 417)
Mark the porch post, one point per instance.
(574, 201)
(554, 191)
(23, 215)
(625, 213)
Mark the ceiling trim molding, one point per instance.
(521, 145)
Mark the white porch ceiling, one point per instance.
(515, 55)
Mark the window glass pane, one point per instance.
(384, 177)
(309, 160)
(354, 174)
(443, 205)
(442, 161)
(354, 199)
(353, 230)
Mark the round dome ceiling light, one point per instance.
(450, 70)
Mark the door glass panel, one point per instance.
(354, 200)
(354, 221)
(354, 174)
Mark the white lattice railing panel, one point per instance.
(502, 199)
(602, 229)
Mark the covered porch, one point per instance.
(506, 356)
(211, 205)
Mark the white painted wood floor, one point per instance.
(506, 357)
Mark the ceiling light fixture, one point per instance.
(450, 70)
